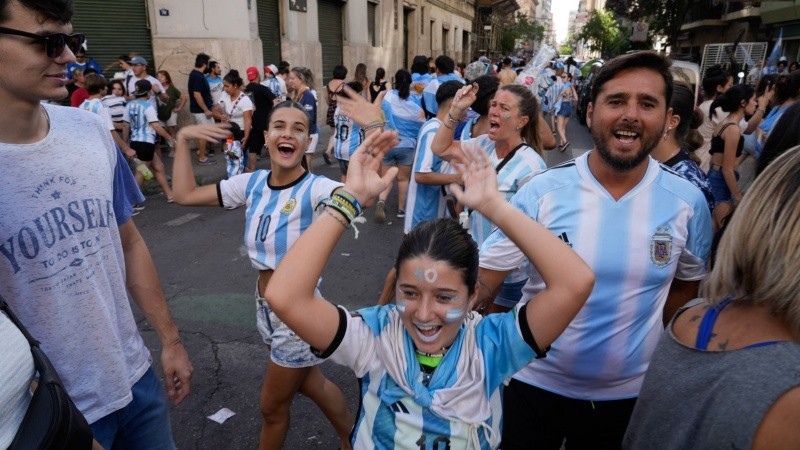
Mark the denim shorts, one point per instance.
(286, 348)
(718, 186)
(400, 156)
(566, 110)
(142, 423)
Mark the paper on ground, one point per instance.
(222, 415)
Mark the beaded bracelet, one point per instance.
(451, 118)
(449, 127)
(338, 219)
(342, 195)
(374, 125)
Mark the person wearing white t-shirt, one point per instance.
(236, 107)
(139, 67)
(64, 172)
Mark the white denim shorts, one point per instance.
(286, 348)
(312, 146)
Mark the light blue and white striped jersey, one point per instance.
(520, 168)
(96, 106)
(348, 136)
(429, 94)
(425, 201)
(276, 215)
(460, 408)
(635, 246)
(418, 83)
(140, 114)
(405, 116)
(234, 165)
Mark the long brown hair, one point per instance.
(528, 106)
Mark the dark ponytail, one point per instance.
(732, 99)
(402, 82)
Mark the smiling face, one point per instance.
(504, 116)
(230, 89)
(433, 301)
(287, 138)
(628, 118)
(26, 73)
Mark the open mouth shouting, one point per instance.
(427, 333)
(626, 137)
(286, 149)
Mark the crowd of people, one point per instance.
(625, 299)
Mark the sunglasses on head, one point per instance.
(53, 43)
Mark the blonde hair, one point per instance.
(758, 260)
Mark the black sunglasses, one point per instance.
(53, 43)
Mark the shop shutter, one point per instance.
(330, 36)
(114, 28)
(269, 31)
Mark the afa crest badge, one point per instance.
(661, 246)
(289, 207)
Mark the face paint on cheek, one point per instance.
(401, 306)
(507, 116)
(274, 134)
(301, 137)
(454, 315)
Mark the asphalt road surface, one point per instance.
(210, 286)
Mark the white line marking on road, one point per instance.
(182, 220)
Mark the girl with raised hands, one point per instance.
(280, 205)
(430, 369)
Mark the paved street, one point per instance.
(209, 284)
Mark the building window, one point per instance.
(395, 14)
(422, 22)
(444, 40)
(372, 34)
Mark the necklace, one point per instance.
(46, 116)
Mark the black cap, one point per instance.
(143, 88)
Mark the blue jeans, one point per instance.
(142, 423)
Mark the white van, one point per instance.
(689, 73)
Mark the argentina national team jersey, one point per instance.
(276, 215)
(460, 408)
(425, 201)
(520, 168)
(140, 115)
(405, 116)
(348, 136)
(661, 228)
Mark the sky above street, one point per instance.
(560, 10)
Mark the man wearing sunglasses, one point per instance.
(68, 249)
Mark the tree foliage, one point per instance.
(603, 34)
(527, 30)
(664, 17)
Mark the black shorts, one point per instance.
(144, 150)
(344, 164)
(255, 142)
(534, 418)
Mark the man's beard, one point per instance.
(623, 164)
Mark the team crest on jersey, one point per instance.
(661, 246)
(289, 207)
